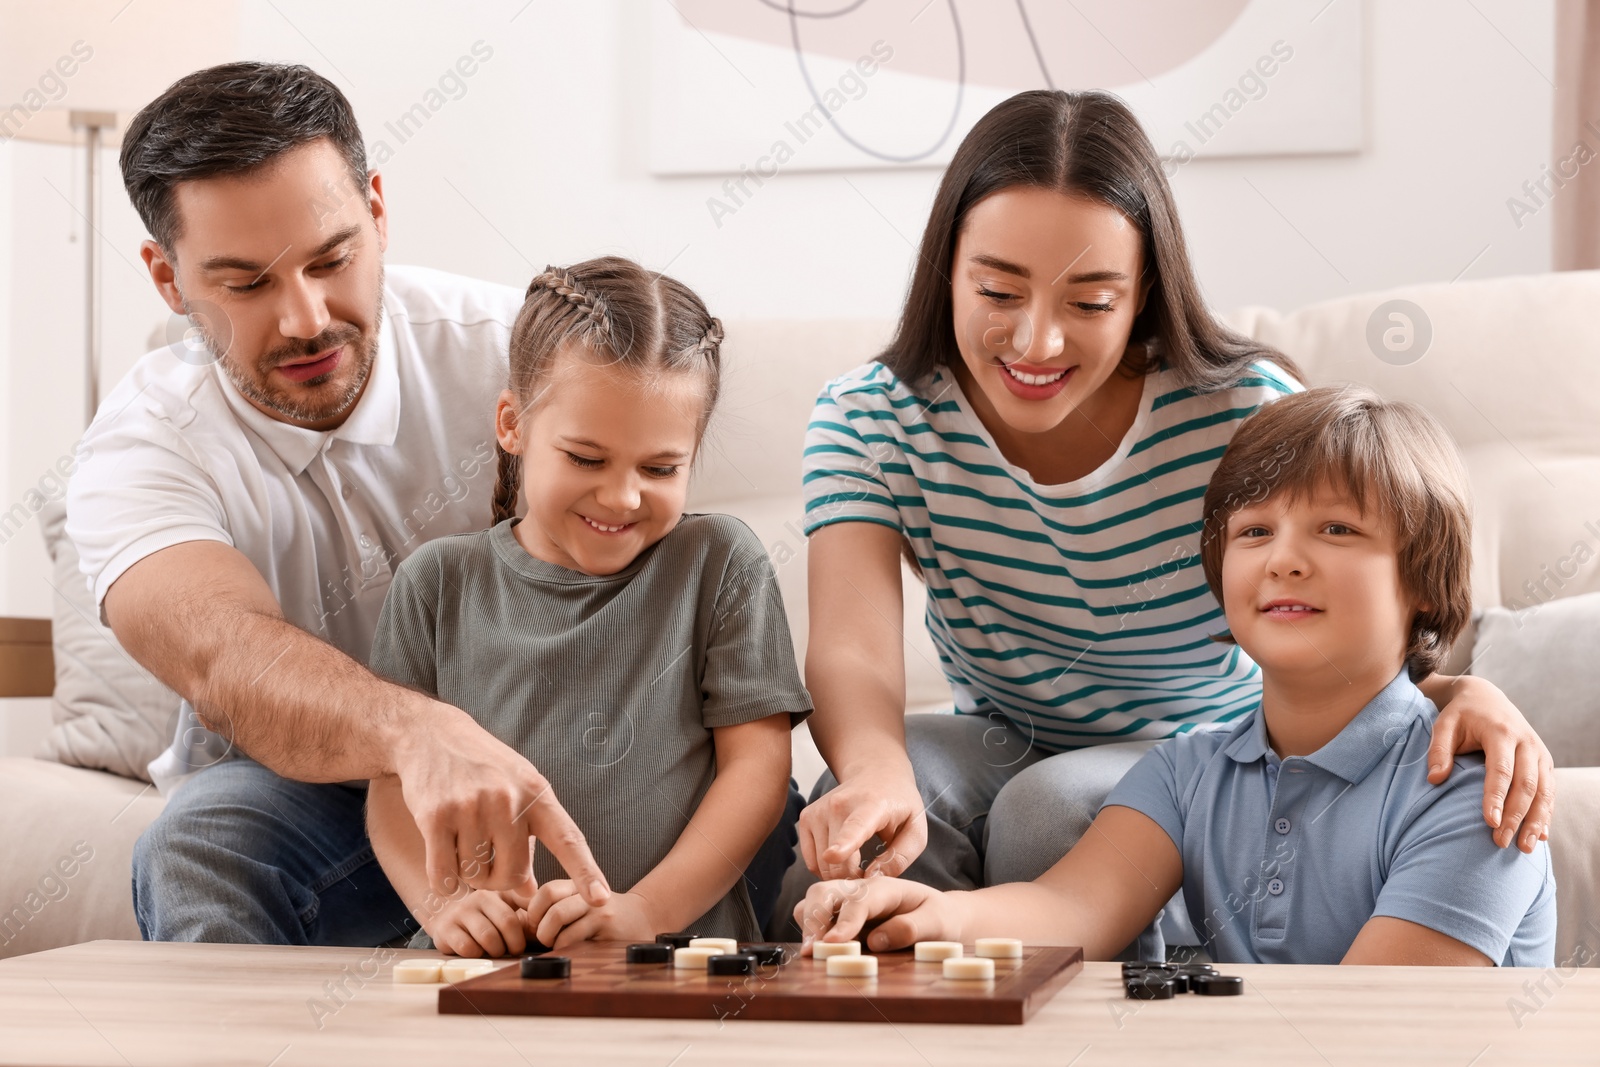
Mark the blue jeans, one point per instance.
(244, 856)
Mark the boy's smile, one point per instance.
(1312, 592)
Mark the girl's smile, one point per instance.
(605, 451)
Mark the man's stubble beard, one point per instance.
(254, 389)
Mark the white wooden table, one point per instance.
(127, 1003)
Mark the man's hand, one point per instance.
(838, 910)
(1519, 788)
(476, 802)
(883, 802)
(557, 916)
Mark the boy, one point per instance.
(1337, 539)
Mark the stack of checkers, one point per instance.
(1163, 981)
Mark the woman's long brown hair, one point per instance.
(1084, 144)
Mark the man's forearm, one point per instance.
(200, 617)
(300, 706)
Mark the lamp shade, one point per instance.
(101, 55)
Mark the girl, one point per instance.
(637, 655)
(1037, 439)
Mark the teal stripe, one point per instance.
(999, 684)
(1111, 610)
(919, 427)
(1013, 687)
(832, 449)
(1076, 661)
(911, 400)
(1027, 722)
(964, 522)
(992, 628)
(810, 528)
(1189, 426)
(989, 470)
(938, 488)
(848, 498)
(862, 476)
(1144, 676)
(842, 427)
(1082, 635)
(1263, 379)
(1028, 566)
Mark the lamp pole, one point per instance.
(92, 122)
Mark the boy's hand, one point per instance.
(557, 916)
(482, 923)
(838, 910)
(1519, 788)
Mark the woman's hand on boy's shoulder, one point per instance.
(1519, 786)
(839, 910)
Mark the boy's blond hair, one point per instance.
(1394, 460)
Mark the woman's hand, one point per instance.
(834, 829)
(838, 910)
(1519, 790)
(557, 916)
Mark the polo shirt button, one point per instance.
(346, 491)
(1282, 826)
(1275, 887)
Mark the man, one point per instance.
(243, 512)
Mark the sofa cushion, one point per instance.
(1575, 858)
(109, 713)
(68, 854)
(1543, 658)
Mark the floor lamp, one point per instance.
(95, 124)
(96, 130)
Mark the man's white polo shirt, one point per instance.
(177, 454)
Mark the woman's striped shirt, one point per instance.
(1079, 611)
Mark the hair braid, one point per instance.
(564, 285)
(611, 313)
(507, 485)
(709, 341)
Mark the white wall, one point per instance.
(543, 160)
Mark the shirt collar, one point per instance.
(375, 420)
(1364, 741)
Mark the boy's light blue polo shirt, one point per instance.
(1284, 862)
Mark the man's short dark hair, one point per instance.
(230, 119)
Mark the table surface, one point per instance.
(128, 1003)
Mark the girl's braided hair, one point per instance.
(614, 311)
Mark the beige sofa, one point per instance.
(1512, 367)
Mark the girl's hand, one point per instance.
(481, 923)
(625, 917)
(838, 910)
(557, 916)
(1478, 717)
